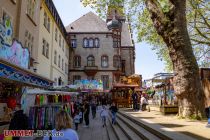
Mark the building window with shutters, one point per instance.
(76, 77)
(90, 61)
(105, 80)
(104, 61)
(77, 61)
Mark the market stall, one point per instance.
(121, 94)
(42, 105)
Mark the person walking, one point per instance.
(113, 110)
(93, 108)
(63, 125)
(103, 115)
(76, 120)
(86, 113)
(135, 101)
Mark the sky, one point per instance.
(146, 63)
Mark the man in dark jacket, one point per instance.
(135, 100)
(19, 122)
(114, 110)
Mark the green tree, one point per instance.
(167, 31)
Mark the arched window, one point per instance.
(90, 61)
(116, 61)
(91, 43)
(104, 61)
(77, 61)
(85, 42)
(96, 43)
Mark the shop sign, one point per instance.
(12, 50)
(16, 75)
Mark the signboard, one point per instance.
(11, 73)
(11, 50)
(89, 84)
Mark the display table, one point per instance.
(169, 109)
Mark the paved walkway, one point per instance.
(95, 130)
(193, 128)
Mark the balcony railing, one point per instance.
(91, 68)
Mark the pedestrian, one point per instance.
(86, 113)
(135, 101)
(19, 121)
(81, 116)
(103, 115)
(143, 103)
(114, 110)
(63, 126)
(76, 120)
(93, 108)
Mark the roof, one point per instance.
(89, 22)
(126, 39)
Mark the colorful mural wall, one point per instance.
(89, 84)
(11, 50)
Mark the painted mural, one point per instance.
(89, 84)
(12, 50)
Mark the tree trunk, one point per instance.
(171, 25)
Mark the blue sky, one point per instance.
(146, 63)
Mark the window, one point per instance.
(116, 61)
(105, 80)
(90, 61)
(90, 77)
(76, 77)
(47, 50)
(55, 82)
(56, 34)
(67, 52)
(48, 24)
(62, 64)
(29, 40)
(85, 42)
(63, 45)
(45, 19)
(73, 43)
(104, 61)
(96, 43)
(31, 7)
(59, 61)
(43, 46)
(77, 61)
(66, 68)
(59, 40)
(55, 57)
(91, 43)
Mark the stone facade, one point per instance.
(90, 26)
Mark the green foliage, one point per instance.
(198, 13)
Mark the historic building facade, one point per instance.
(103, 50)
(53, 51)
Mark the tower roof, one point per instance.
(89, 22)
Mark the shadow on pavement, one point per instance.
(169, 125)
(194, 135)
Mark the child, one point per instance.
(76, 120)
(103, 115)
